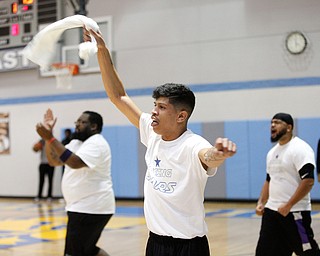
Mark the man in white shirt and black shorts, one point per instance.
(178, 162)
(86, 182)
(285, 203)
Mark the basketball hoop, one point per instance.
(63, 73)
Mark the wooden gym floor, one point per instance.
(38, 229)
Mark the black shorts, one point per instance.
(284, 235)
(83, 233)
(169, 246)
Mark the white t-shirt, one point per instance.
(283, 165)
(89, 189)
(174, 183)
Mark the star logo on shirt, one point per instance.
(157, 162)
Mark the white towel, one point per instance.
(41, 50)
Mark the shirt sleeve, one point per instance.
(303, 155)
(145, 128)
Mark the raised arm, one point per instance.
(112, 83)
(55, 150)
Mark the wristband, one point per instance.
(51, 140)
(65, 155)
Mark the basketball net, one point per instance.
(63, 73)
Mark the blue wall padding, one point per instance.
(258, 146)
(196, 128)
(237, 167)
(123, 142)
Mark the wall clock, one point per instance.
(296, 42)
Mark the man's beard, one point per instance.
(82, 136)
(279, 135)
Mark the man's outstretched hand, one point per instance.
(45, 129)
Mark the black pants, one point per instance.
(281, 236)
(169, 246)
(45, 170)
(83, 233)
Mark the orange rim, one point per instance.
(73, 68)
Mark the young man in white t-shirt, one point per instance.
(178, 162)
(86, 182)
(284, 202)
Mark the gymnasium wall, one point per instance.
(230, 52)
(240, 178)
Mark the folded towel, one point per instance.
(41, 50)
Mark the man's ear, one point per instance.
(93, 127)
(182, 117)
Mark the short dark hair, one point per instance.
(95, 118)
(179, 95)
